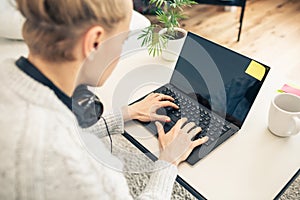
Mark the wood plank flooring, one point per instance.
(270, 33)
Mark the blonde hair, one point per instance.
(53, 27)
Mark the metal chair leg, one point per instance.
(241, 21)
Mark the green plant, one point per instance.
(168, 14)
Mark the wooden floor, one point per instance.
(270, 33)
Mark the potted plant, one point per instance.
(167, 41)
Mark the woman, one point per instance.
(41, 155)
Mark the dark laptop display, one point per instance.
(217, 78)
(214, 87)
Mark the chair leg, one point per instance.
(241, 21)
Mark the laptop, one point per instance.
(214, 87)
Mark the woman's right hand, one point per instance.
(177, 144)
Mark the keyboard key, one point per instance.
(227, 127)
(211, 133)
(209, 142)
(174, 118)
(224, 129)
(169, 108)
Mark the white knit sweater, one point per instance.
(41, 156)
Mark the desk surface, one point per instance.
(253, 164)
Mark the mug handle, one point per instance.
(297, 124)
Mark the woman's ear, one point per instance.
(92, 39)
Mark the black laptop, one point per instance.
(214, 87)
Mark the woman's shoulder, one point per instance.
(8, 72)
(27, 106)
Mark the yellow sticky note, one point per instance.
(256, 70)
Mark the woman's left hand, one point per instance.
(145, 110)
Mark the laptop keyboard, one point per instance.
(212, 125)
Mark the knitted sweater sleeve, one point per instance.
(114, 122)
(82, 183)
(163, 177)
(161, 182)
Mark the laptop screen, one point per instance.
(220, 79)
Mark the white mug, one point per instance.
(284, 115)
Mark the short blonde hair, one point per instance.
(53, 27)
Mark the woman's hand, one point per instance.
(177, 144)
(145, 110)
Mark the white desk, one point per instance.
(253, 164)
